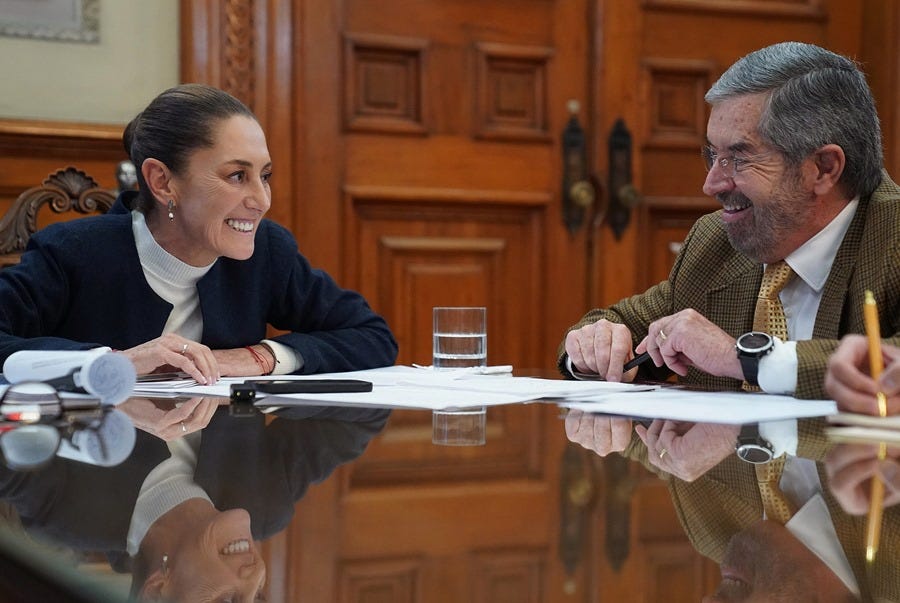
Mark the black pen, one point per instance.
(636, 361)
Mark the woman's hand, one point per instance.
(172, 351)
(242, 362)
(170, 424)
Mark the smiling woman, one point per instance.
(197, 273)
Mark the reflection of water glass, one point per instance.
(459, 337)
(459, 427)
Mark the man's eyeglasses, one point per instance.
(730, 164)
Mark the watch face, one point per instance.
(754, 341)
(754, 453)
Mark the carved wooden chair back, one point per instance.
(67, 190)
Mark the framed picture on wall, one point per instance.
(63, 20)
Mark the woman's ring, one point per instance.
(662, 335)
(184, 349)
(662, 452)
(183, 428)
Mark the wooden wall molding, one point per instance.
(804, 9)
(424, 195)
(395, 580)
(237, 51)
(511, 92)
(508, 576)
(384, 84)
(39, 138)
(674, 92)
(218, 39)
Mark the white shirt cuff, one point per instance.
(778, 375)
(575, 373)
(782, 435)
(778, 369)
(287, 360)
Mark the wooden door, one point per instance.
(441, 123)
(418, 157)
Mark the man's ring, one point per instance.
(662, 335)
(183, 428)
(184, 349)
(662, 452)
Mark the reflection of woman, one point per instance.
(192, 532)
(213, 556)
(185, 272)
(184, 517)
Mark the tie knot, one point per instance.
(774, 279)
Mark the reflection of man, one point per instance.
(794, 157)
(767, 562)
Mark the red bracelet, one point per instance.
(260, 361)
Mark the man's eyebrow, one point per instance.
(741, 146)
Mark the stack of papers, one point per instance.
(852, 428)
(410, 387)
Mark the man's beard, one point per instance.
(762, 235)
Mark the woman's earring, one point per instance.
(165, 565)
(171, 207)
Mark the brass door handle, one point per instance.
(578, 191)
(624, 196)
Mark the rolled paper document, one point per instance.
(106, 442)
(109, 376)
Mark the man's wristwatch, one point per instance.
(750, 348)
(752, 447)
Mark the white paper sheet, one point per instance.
(416, 388)
(408, 387)
(703, 407)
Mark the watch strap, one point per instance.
(750, 368)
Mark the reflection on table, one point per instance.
(184, 516)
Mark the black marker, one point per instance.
(636, 361)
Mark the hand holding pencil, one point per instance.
(876, 366)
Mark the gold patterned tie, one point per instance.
(769, 318)
(775, 503)
(769, 315)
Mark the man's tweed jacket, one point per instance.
(711, 277)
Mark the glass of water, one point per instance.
(459, 337)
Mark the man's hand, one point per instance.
(849, 382)
(687, 339)
(850, 468)
(602, 348)
(599, 433)
(687, 450)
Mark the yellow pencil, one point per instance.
(876, 365)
